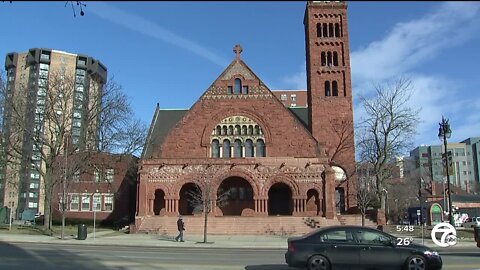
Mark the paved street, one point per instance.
(43, 256)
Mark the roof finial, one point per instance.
(238, 50)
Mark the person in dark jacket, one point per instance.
(181, 228)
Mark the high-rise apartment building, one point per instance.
(428, 163)
(36, 81)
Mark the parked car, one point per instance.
(470, 222)
(355, 247)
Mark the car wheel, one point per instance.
(318, 262)
(416, 262)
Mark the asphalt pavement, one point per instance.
(214, 241)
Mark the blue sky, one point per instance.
(170, 52)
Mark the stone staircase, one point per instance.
(271, 225)
(355, 220)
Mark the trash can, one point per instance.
(82, 232)
(476, 233)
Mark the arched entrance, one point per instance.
(280, 200)
(234, 195)
(159, 202)
(313, 201)
(185, 205)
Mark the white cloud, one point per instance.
(297, 81)
(411, 43)
(148, 28)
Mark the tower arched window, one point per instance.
(329, 59)
(330, 29)
(250, 130)
(257, 130)
(260, 148)
(325, 30)
(244, 130)
(249, 148)
(237, 89)
(335, 58)
(237, 130)
(337, 30)
(319, 30)
(335, 88)
(324, 60)
(237, 148)
(224, 130)
(327, 89)
(215, 149)
(230, 130)
(218, 130)
(226, 149)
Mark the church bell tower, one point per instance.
(329, 86)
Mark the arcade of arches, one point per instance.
(241, 193)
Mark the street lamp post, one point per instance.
(444, 133)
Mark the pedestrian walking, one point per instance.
(181, 228)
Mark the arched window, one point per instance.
(260, 148)
(215, 149)
(324, 60)
(226, 149)
(224, 130)
(249, 148)
(218, 130)
(325, 30)
(244, 130)
(245, 90)
(335, 58)
(330, 29)
(327, 89)
(250, 130)
(337, 30)
(334, 88)
(237, 130)
(237, 148)
(319, 30)
(238, 86)
(257, 130)
(329, 59)
(230, 130)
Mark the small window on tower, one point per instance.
(327, 89)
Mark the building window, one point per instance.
(293, 97)
(108, 200)
(238, 86)
(97, 175)
(337, 30)
(249, 148)
(109, 173)
(230, 90)
(226, 149)
(245, 90)
(97, 202)
(323, 59)
(85, 202)
(293, 105)
(76, 176)
(335, 88)
(237, 148)
(74, 203)
(215, 149)
(260, 148)
(319, 30)
(327, 89)
(283, 97)
(32, 205)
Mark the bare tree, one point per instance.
(365, 189)
(205, 197)
(387, 129)
(40, 119)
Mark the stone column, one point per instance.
(142, 198)
(329, 193)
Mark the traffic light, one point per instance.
(448, 161)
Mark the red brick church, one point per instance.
(238, 137)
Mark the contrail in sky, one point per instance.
(140, 25)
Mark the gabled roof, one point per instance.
(163, 121)
(301, 114)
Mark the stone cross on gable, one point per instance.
(238, 50)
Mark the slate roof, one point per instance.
(163, 121)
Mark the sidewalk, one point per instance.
(214, 241)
